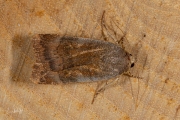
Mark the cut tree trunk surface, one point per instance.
(151, 30)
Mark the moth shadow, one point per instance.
(22, 58)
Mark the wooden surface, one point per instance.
(152, 37)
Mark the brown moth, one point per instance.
(68, 59)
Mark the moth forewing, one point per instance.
(77, 59)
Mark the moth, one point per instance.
(72, 59)
(68, 59)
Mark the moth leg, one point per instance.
(130, 75)
(102, 86)
(104, 26)
(99, 84)
(121, 40)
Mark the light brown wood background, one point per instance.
(153, 35)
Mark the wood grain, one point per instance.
(152, 30)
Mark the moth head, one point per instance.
(132, 60)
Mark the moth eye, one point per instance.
(132, 65)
